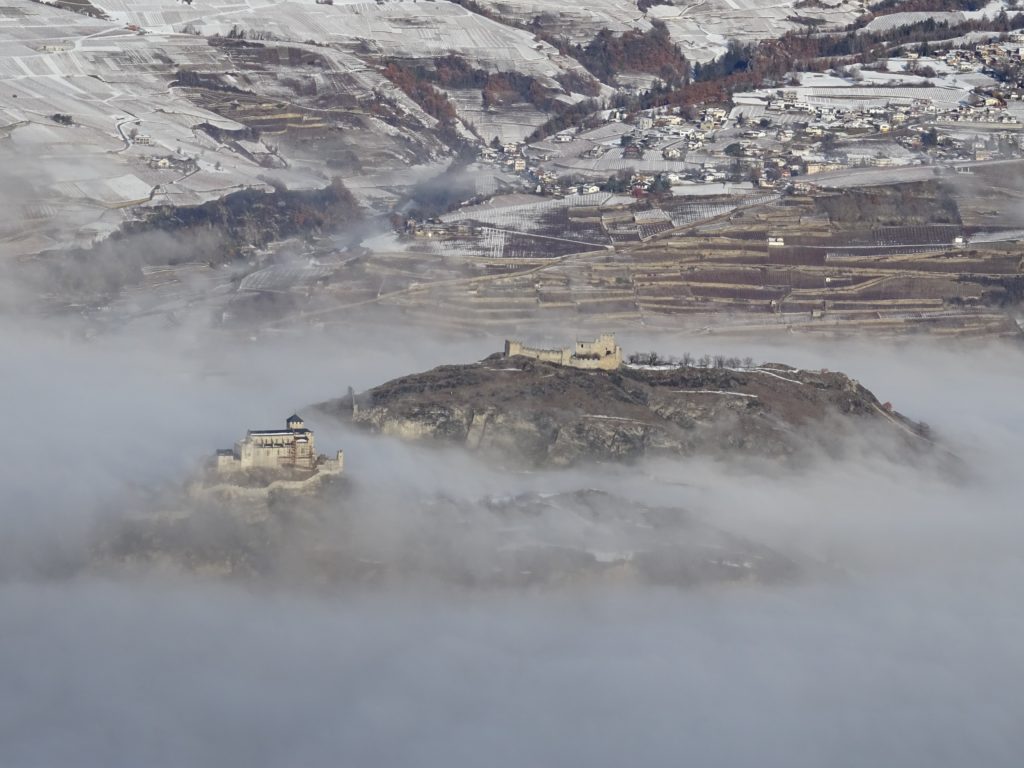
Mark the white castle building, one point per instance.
(291, 448)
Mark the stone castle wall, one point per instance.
(601, 354)
(227, 462)
(517, 348)
(275, 452)
(289, 448)
(326, 468)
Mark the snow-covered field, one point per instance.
(397, 27)
(113, 78)
(701, 28)
(111, 83)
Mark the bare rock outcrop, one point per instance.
(535, 413)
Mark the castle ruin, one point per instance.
(601, 354)
(291, 448)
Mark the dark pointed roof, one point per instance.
(293, 417)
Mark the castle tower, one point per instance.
(295, 422)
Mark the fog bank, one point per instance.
(908, 656)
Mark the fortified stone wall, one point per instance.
(558, 356)
(277, 452)
(326, 468)
(226, 461)
(601, 354)
(595, 363)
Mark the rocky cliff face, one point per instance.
(540, 414)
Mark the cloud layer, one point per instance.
(907, 655)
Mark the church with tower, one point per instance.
(291, 448)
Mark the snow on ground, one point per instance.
(998, 236)
(895, 20)
(394, 27)
(868, 177)
(112, 84)
(821, 79)
(113, 81)
(522, 216)
(701, 28)
(717, 392)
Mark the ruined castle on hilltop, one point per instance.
(291, 448)
(601, 354)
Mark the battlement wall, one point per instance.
(558, 356)
(607, 363)
(325, 468)
(601, 354)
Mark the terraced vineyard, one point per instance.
(766, 260)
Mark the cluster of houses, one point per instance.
(181, 163)
(663, 135)
(508, 156)
(987, 55)
(776, 134)
(512, 158)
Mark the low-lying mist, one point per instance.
(900, 647)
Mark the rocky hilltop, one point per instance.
(535, 413)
